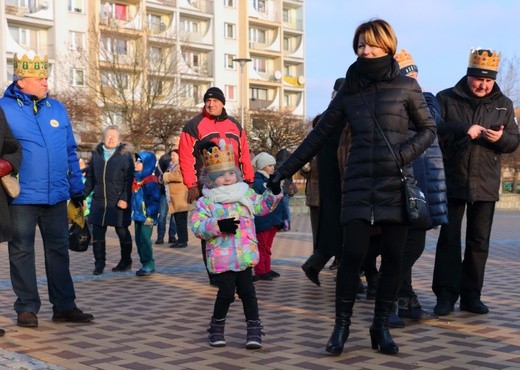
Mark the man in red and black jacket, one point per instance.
(211, 125)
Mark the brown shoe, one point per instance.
(27, 320)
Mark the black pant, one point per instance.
(451, 276)
(181, 221)
(413, 249)
(99, 232)
(356, 237)
(242, 282)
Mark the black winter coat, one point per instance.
(473, 166)
(110, 181)
(11, 151)
(372, 188)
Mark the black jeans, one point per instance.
(241, 282)
(356, 240)
(453, 277)
(413, 249)
(99, 233)
(181, 221)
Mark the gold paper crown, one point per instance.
(219, 159)
(31, 65)
(484, 59)
(404, 59)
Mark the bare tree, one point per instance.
(508, 79)
(166, 124)
(273, 130)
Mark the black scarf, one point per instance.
(369, 70)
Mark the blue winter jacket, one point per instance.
(276, 217)
(50, 172)
(145, 190)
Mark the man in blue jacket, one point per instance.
(49, 175)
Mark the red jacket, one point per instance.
(203, 128)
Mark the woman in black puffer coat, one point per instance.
(372, 189)
(109, 177)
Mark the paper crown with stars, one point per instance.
(406, 62)
(219, 158)
(30, 64)
(483, 63)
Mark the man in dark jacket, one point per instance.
(109, 178)
(478, 126)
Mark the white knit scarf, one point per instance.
(230, 194)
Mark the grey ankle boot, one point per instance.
(216, 333)
(254, 334)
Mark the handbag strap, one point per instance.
(383, 135)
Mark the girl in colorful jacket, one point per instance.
(224, 217)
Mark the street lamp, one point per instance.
(242, 62)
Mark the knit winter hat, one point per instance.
(262, 160)
(483, 63)
(215, 93)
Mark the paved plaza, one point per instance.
(160, 322)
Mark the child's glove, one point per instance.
(275, 183)
(228, 225)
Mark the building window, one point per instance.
(260, 65)
(192, 59)
(229, 3)
(188, 25)
(155, 23)
(116, 81)
(257, 35)
(20, 35)
(229, 30)
(259, 6)
(287, 43)
(75, 6)
(77, 77)
(229, 64)
(116, 11)
(257, 94)
(230, 91)
(76, 41)
(154, 54)
(116, 46)
(190, 91)
(155, 86)
(23, 3)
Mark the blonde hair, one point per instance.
(377, 32)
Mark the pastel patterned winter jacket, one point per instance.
(224, 251)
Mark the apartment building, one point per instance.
(172, 50)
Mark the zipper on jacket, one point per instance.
(372, 215)
(104, 190)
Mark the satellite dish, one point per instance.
(277, 75)
(301, 80)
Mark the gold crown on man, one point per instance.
(30, 65)
(217, 159)
(484, 59)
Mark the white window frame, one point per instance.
(74, 43)
(260, 65)
(24, 35)
(77, 77)
(231, 92)
(229, 3)
(229, 30)
(228, 61)
(257, 35)
(76, 6)
(189, 25)
(260, 6)
(256, 93)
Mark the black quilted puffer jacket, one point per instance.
(372, 188)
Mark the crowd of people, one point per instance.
(235, 203)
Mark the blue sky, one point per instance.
(439, 34)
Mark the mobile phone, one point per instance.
(495, 127)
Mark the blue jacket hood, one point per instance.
(149, 159)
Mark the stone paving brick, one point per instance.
(160, 322)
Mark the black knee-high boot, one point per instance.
(341, 328)
(313, 266)
(379, 333)
(125, 263)
(98, 247)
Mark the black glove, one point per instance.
(275, 183)
(228, 225)
(78, 200)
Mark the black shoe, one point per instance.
(475, 306)
(254, 278)
(172, 240)
(159, 241)
(273, 274)
(179, 244)
(122, 266)
(72, 315)
(2, 332)
(443, 308)
(265, 277)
